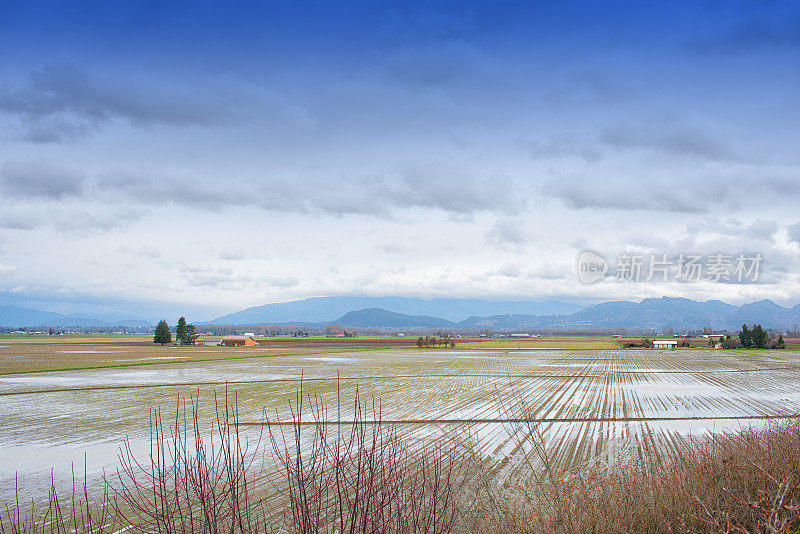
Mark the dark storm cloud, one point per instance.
(45, 194)
(452, 190)
(666, 184)
(449, 190)
(508, 232)
(17, 220)
(598, 194)
(762, 229)
(794, 232)
(54, 130)
(670, 137)
(62, 102)
(102, 220)
(40, 180)
(151, 189)
(559, 146)
(667, 136)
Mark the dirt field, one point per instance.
(503, 405)
(26, 354)
(38, 355)
(572, 342)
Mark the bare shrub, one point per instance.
(330, 475)
(359, 477)
(80, 513)
(731, 343)
(189, 483)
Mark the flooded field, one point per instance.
(502, 404)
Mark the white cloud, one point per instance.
(145, 251)
(6, 270)
(508, 232)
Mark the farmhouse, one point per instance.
(665, 344)
(238, 341)
(717, 337)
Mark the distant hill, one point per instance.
(397, 312)
(648, 315)
(15, 316)
(327, 309)
(75, 322)
(685, 313)
(652, 314)
(86, 322)
(378, 317)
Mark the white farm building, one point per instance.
(665, 344)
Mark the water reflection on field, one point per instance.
(583, 405)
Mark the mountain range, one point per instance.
(327, 309)
(648, 315)
(16, 316)
(652, 314)
(378, 317)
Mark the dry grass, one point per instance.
(745, 482)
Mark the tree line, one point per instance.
(758, 338)
(433, 342)
(185, 334)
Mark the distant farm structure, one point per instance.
(238, 341)
(665, 344)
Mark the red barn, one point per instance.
(238, 341)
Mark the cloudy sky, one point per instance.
(202, 157)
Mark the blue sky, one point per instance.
(206, 156)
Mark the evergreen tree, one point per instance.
(191, 334)
(745, 338)
(181, 331)
(759, 337)
(781, 343)
(162, 333)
